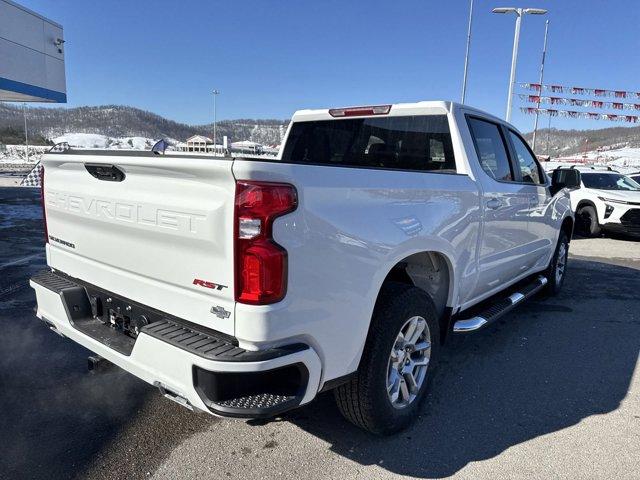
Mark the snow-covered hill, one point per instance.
(624, 159)
(572, 142)
(121, 122)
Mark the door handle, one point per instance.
(109, 173)
(494, 203)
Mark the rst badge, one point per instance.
(207, 284)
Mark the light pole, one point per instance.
(466, 55)
(26, 134)
(516, 39)
(544, 54)
(548, 132)
(215, 94)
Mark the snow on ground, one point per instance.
(14, 156)
(17, 154)
(624, 159)
(83, 140)
(94, 140)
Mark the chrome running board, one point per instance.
(498, 309)
(469, 325)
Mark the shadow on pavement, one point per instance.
(58, 421)
(546, 367)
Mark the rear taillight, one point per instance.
(260, 263)
(44, 210)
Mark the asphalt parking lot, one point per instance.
(551, 391)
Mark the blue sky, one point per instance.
(270, 58)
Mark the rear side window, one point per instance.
(526, 161)
(402, 143)
(491, 149)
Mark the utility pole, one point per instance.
(544, 54)
(516, 40)
(26, 131)
(215, 94)
(466, 55)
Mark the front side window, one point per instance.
(421, 142)
(491, 149)
(609, 181)
(526, 161)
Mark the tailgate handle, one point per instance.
(109, 173)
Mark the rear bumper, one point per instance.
(198, 367)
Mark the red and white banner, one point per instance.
(589, 115)
(577, 102)
(598, 92)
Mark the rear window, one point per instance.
(401, 143)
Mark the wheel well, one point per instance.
(430, 272)
(586, 203)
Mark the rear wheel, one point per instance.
(588, 225)
(397, 363)
(558, 267)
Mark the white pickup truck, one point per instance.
(244, 287)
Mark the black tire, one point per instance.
(554, 281)
(588, 225)
(364, 400)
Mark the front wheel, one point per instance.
(397, 363)
(558, 267)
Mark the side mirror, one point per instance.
(565, 178)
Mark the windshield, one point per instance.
(609, 181)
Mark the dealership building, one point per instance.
(32, 53)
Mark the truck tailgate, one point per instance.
(162, 236)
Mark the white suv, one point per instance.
(606, 200)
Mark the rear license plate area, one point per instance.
(119, 314)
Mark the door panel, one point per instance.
(506, 239)
(505, 236)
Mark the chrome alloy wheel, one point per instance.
(561, 263)
(408, 362)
